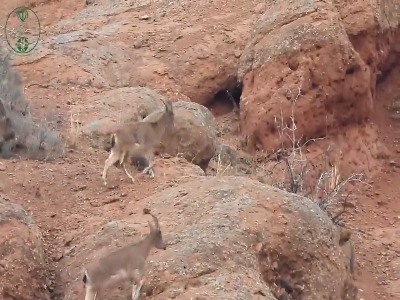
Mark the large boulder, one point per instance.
(194, 136)
(228, 238)
(23, 269)
(300, 52)
(181, 58)
(106, 110)
(374, 30)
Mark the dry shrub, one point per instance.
(75, 129)
(294, 169)
(38, 139)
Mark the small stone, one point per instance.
(59, 256)
(237, 53)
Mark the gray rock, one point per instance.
(234, 238)
(23, 264)
(194, 136)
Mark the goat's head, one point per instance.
(109, 143)
(6, 130)
(155, 231)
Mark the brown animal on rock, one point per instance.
(126, 263)
(139, 139)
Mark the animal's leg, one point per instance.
(149, 168)
(90, 293)
(122, 158)
(112, 159)
(127, 173)
(124, 155)
(137, 282)
(137, 292)
(134, 289)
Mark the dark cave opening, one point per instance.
(226, 100)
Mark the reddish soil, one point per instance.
(66, 197)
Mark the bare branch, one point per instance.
(326, 187)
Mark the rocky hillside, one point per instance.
(278, 180)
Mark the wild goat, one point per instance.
(139, 138)
(6, 129)
(125, 263)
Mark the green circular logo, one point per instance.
(22, 30)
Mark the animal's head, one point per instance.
(109, 143)
(155, 230)
(6, 130)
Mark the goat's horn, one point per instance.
(165, 104)
(147, 211)
(168, 107)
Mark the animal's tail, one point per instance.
(112, 140)
(85, 278)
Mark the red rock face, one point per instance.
(304, 54)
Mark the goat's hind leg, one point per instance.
(122, 163)
(149, 169)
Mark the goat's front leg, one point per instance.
(91, 293)
(134, 289)
(137, 291)
(112, 159)
(137, 280)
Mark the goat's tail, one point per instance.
(112, 140)
(85, 278)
